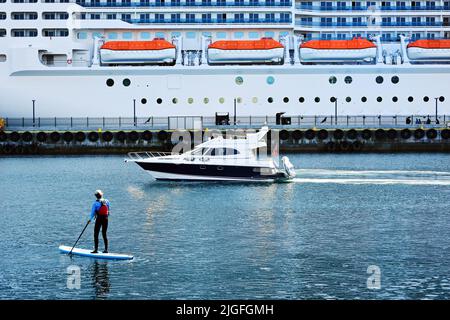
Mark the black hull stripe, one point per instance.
(232, 172)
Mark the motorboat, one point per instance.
(218, 159)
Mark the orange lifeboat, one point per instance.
(137, 52)
(429, 49)
(265, 50)
(338, 50)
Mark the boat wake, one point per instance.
(374, 177)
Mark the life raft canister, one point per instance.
(103, 210)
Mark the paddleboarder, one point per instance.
(100, 211)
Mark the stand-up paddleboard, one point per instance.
(99, 255)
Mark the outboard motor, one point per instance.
(288, 167)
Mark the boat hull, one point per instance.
(137, 56)
(245, 56)
(416, 53)
(197, 172)
(308, 54)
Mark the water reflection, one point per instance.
(100, 279)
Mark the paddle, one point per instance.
(79, 237)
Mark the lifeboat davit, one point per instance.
(356, 49)
(265, 50)
(429, 50)
(157, 51)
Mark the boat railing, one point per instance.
(142, 155)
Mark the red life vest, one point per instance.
(103, 210)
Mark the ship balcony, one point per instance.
(368, 8)
(365, 24)
(208, 21)
(242, 4)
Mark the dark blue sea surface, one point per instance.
(314, 238)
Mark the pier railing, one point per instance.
(191, 122)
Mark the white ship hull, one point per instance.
(416, 53)
(245, 56)
(137, 56)
(308, 54)
(82, 92)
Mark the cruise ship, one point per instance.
(160, 58)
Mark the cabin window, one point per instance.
(255, 100)
(143, 101)
(395, 79)
(285, 99)
(379, 79)
(317, 99)
(174, 100)
(270, 80)
(426, 99)
(221, 100)
(190, 100)
(239, 80)
(348, 99)
(2, 15)
(82, 35)
(301, 99)
(159, 101)
(270, 100)
(394, 99)
(205, 100)
(364, 99)
(2, 57)
(379, 99)
(410, 99)
(126, 82)
(110, 82)
(348, 79)
(112, 35)
(221, 152)
(332, 80)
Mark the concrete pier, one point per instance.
(67, 142)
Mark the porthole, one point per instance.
(126, 82)
(379, 79)
(190, 100)
(239, 80)
(285, 99)
(270, 80)
(159, 101)
(205, 100)
(333, 99)
(426, 99)
(143, 101)
(317, 99)
(348, 79)
(348, 99)
(221, 100)
(394, 99)
(301, 99)
(441, 98)
(239, 100)
(332, 80)
(270, 100)
(174, 100)
(379, 99)
(364, 99)
(395, 79)
(255, 100)
(410, 99)
(110, 82)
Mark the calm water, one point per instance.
(313, 238)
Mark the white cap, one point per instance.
(98, 192)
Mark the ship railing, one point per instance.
(118, 124)
(142, 155)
